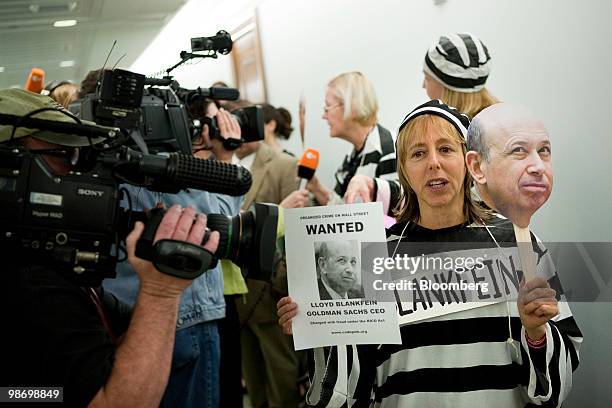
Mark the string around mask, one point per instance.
(509, 340)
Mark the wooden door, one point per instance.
(248, 66)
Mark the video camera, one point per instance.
(74, 221)
(155, 110)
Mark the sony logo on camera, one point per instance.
(89, 193)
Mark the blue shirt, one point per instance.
(203, 300)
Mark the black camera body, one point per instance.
(68, 221)
(154, 111)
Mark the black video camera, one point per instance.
(155, 111)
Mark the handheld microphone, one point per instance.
(35, 80)
(179, 171)
(307, 165)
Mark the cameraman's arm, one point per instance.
(142, 362)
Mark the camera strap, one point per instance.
(182, 259)
(172, 257)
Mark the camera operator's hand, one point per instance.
(142, 361)
(230, 129)
(297, 199)
(177, 224)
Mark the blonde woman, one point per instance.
(351, 110)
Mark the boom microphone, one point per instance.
(35, 80)
(179, 171)
(307, 165)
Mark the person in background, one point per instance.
(194, 378)
(63, 92)
(270, 365)
(351, 110)
(234, 285)
(455, 69)
(90, 82)
(277, 126)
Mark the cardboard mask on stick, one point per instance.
(510, 159)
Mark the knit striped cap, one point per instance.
(459, 61)
(436, 107)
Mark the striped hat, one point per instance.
(436, 107)
(459, 61)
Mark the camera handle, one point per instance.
(172, 257)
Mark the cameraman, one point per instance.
(62, 334)
(194, 378)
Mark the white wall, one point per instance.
(551, 55)
(198, 18)
(548, 55)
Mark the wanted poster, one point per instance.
(324, 272)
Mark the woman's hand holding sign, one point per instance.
(286, 309)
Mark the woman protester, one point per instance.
(351, 110)
(489, 355)
(455, 69)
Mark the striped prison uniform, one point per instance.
(457, 360)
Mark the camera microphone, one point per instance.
(307, 165)
(209, 175)
(179, 171)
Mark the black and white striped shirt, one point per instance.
(457, 360)
(376, 159)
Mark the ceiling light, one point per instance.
(1, 69)
(64, 23)
(67, 64)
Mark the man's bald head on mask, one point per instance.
(509, 157)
